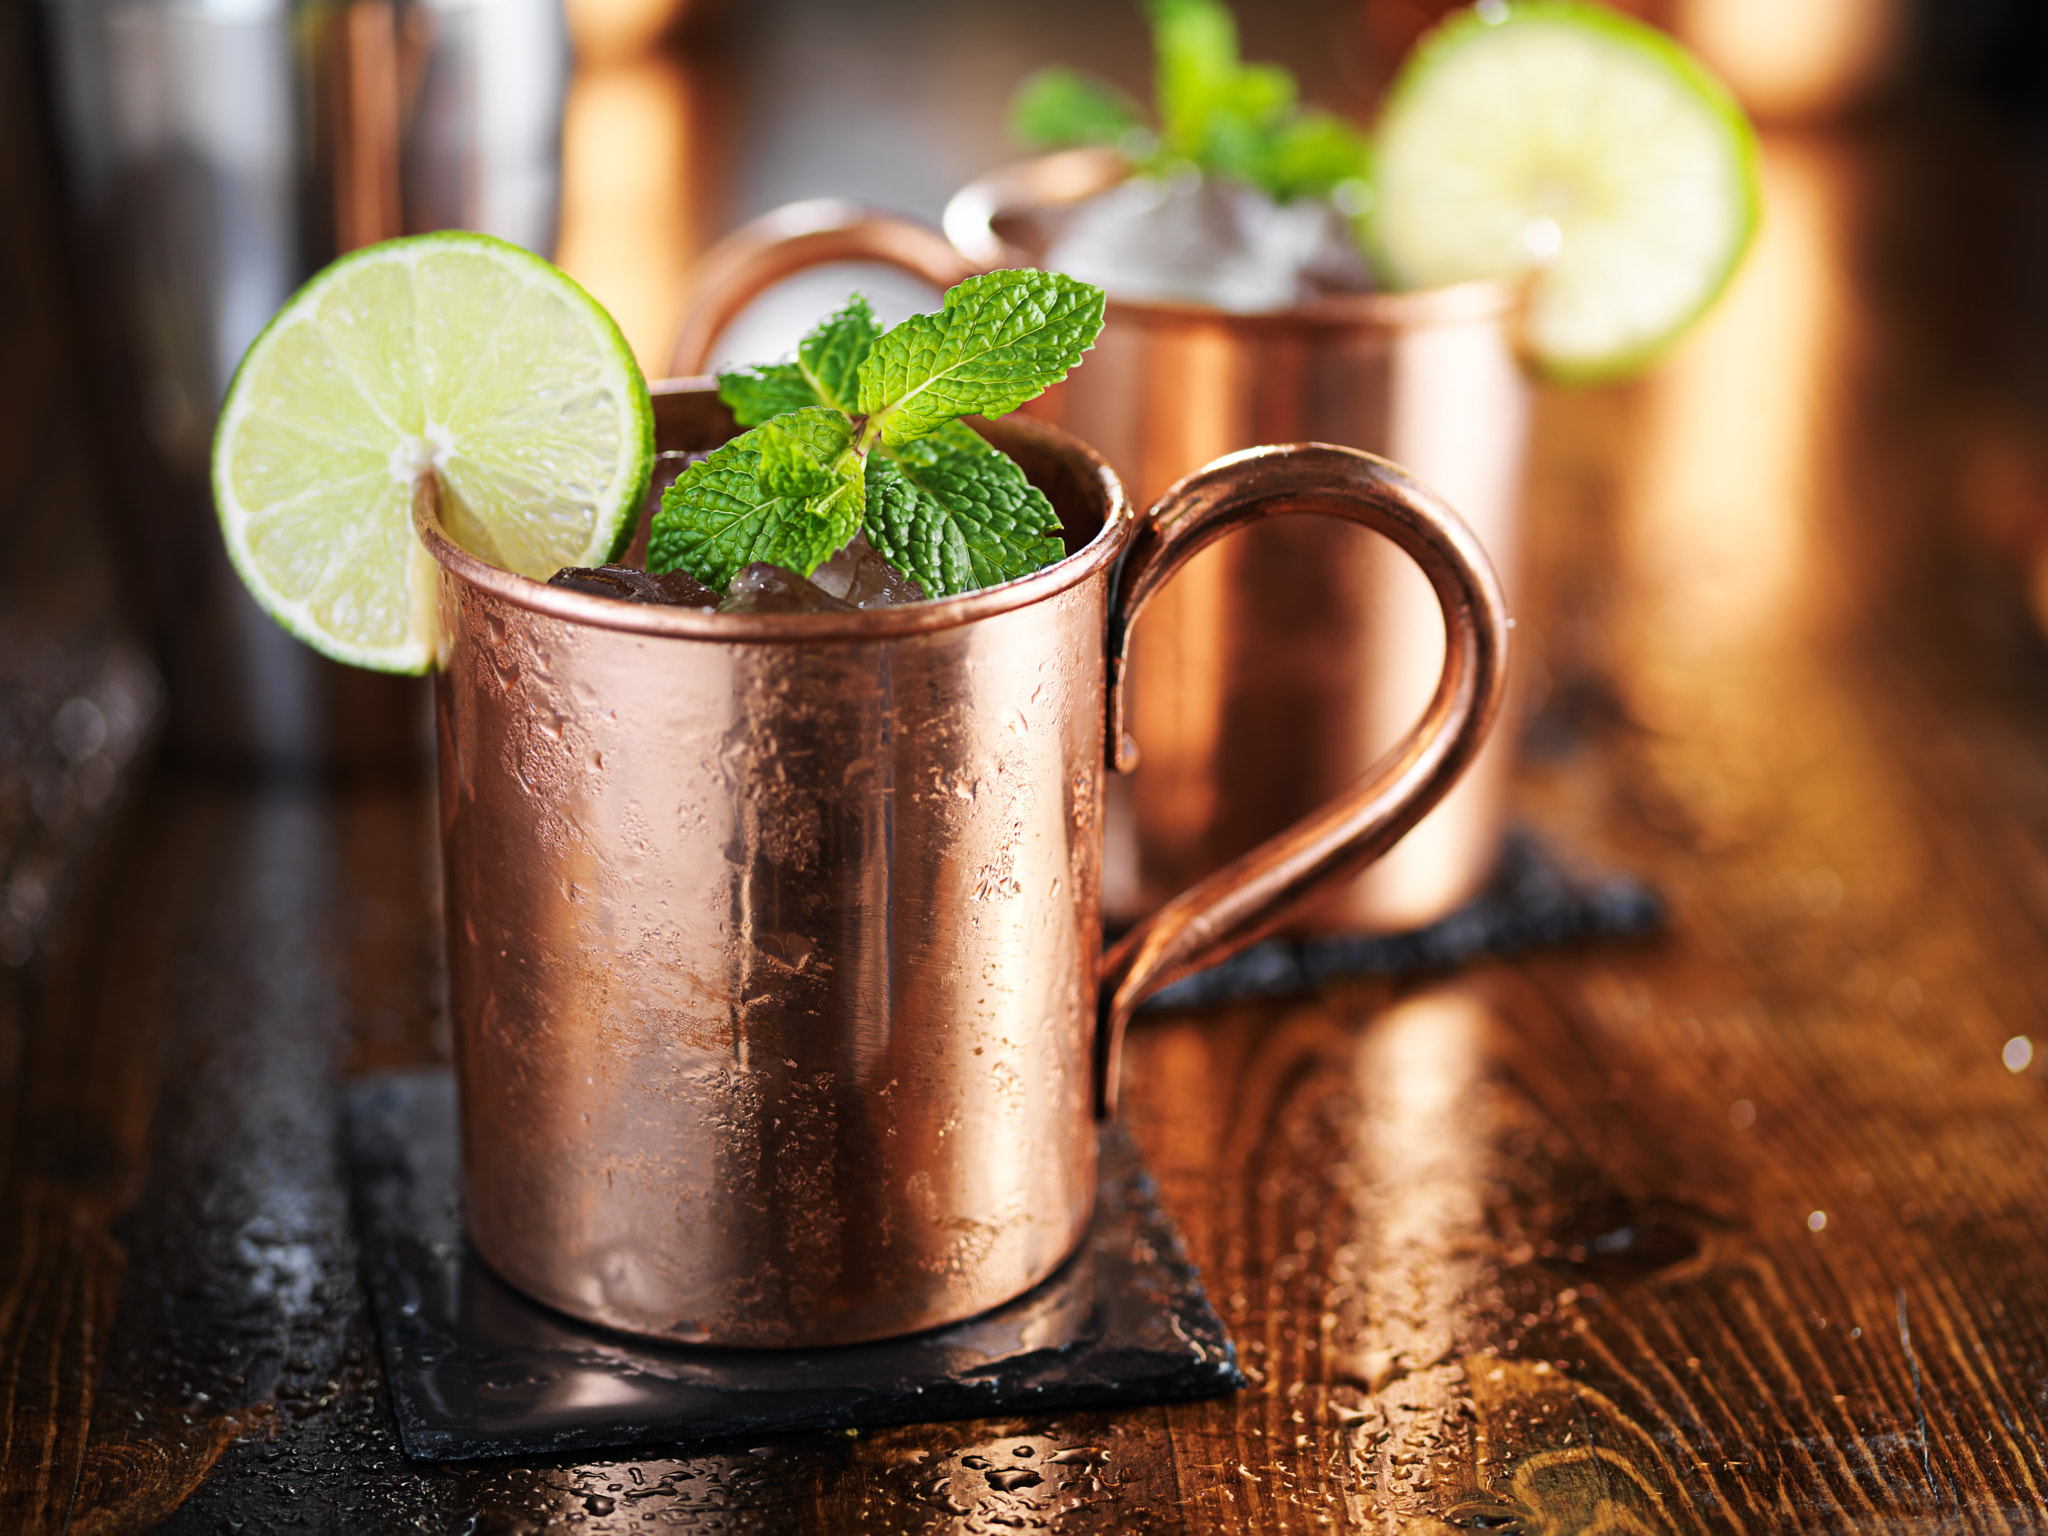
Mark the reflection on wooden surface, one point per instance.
(1421, 1244)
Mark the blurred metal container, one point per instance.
(216, 153)
(482, 147)
(1286, 663)
(775, 940)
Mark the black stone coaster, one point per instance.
(477, 1369)
(1534, 900)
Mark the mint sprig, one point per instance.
(861, 432)
(1001, 339)
(1217, 114)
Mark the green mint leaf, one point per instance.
(1194, 49)
(1246, 115)
(790, 465)
(1312, 155)
(956, 514)
(827, 361)
(1058, 108)
(830, 356)
(741, 504)
(755, 395)
(1001, 339)
(1240, 120)
(1258, 93)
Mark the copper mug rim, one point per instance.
(819, 231)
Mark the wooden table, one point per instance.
(1732, 1230)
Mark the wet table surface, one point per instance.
(1737, 1229)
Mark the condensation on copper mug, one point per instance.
(774, 964)
(780, 1010)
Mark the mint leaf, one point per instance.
(790, 465)
(752, 499)
(827, 360)
(1057, 108)
(1000, 340)
(1312, 155)
(830, 356)
(938, 502)
(1246, 113)
(755, 395)
(1216, 113)
(956, 514)
(1194, 48)
(1228, 118)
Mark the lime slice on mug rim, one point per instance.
(454, 353)
(1581, 148)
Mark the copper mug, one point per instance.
(1302, 632)
(775, 957)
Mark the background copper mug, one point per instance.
(774, 941)
(1302, 631)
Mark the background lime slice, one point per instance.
(452, 352)
(1577, 145)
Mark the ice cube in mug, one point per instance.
(765, 588)
(676, 589)
(859, 575)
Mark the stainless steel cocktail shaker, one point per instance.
(215, 153)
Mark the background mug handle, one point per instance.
(789, 239)
(1258, 891)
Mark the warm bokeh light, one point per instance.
(1790, 59)
(633, 196)
(1751, 526)
(365, 60)
(1737, 421)
(611, 31)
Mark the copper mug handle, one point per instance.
(786, 241)
(1258, 891)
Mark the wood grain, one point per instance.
(69, 1096)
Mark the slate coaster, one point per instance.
(477, 1369)
(1535, 899)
